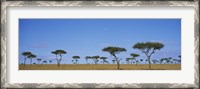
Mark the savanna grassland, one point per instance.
(100, 67)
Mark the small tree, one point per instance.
(31, 56)
(130, 59)
(141, 61)
(86, 58)
(95, 59)
(134, 56)
(179, 59)
(104, 60)
(76, 59)
(148, 49)
(60, 54)
(44, 61)
(39, 60)
(26, 54)
(50, 61)
(161, 60)
(113, 61)
(113, 51)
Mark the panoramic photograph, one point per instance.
(99, 44)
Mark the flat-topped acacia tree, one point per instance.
(95, 59)
(31, 56)
(76, 59)
(104, 60)
(128, 60)
(38, 59)
(26, 54)
(60, 54)
(86, 58)
(113, 51)
(148, 48)
(134, 55)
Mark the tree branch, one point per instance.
(152, 52)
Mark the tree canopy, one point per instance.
(134, 55)
(31, 56)
(26, 53)
(146, 47)
(114, 50)
(76, 57)
(59, 52)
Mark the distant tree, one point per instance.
(137, 62)
(113, 61)
(34, 63)
(60, 54)
(174, 61)
(161, 60)
(179, 61)
(44, 61)
(148, 48)
(134, 56)
(73, 61)
(76, 59)
(179, 56)
(38, 59)
(50, 61)
(31, 56)
(155, 61)
(141, 60)
(26, 54)
(169, 60)
(146, 61)
(95, 59)
(113, 51)
(104, 60)
(128, 60)
(86, 58)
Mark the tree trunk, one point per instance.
(117, 62)
(24, 61)
(31, 61)
(149, 62)
(58, 63)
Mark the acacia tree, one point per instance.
(141, 61)
(113, 61)
(38, 59)
(128, 60)
(50, 61)
(60, 54)
(104, 60)
(26, 54)
(31, 56)
(76, 59)
(44, 61)
(113, 51)
(134, 56)
(179, 61)
(86, 58)
(95, 59)
(161, 60)
(148, 48)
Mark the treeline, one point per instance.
(147, 48)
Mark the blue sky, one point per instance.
(87, 37)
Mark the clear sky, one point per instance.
(87, 37)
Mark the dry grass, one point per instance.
(100, 67)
